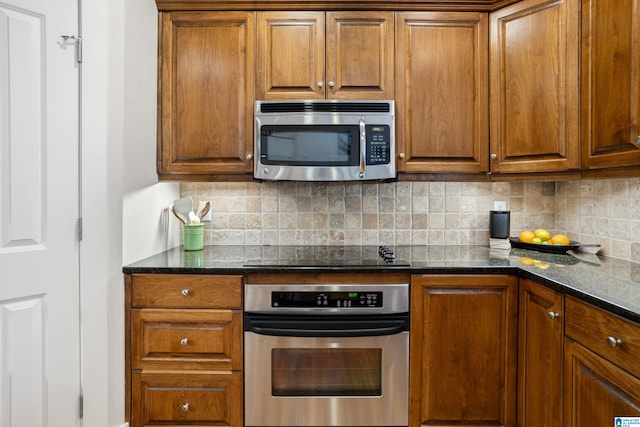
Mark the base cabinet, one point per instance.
(463, 350)
(183, 350)
(541, 335)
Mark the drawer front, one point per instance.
(187, 399)
(186, 291)
(611, 336)
(193, 339)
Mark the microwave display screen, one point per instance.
(319, 145)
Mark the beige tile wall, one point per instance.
(438, 213)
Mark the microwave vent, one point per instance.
(326, 107)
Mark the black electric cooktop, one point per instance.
(328, 256)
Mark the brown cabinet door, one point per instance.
(534, 86)
(463, 350)
(360, 55)
(595, 390)
(290, 55)
(442, 92)
(540, 356)
(206, 94)
(610, 83)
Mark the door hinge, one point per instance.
(78, 41)
(81, 406)
(79, 229)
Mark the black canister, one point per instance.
(499, 224)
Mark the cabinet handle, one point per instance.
(185, 407)
(401, 155)
(637, 143)
(249, 156)
(553, 315)
(494, 157)
(614, 342)
(331, 84)
(320, 84)
(184, 341)
(185, 292)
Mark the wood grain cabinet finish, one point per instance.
(601, 366)
(610, 83)
(534, 80)
(442, 92)
(332, 55)
(540, 355)
(463, 350)
(206, 92)
(183, 350)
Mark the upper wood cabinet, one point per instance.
(442, 92)
(534, 86)
(206, 93)
(332, 55)
(610, 83)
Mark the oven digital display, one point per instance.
(302, 299)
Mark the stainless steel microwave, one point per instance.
(324, 140)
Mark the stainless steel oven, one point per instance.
(326, 355)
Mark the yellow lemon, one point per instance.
(527, 236)
(542, 234)
(560, 239)
(536, 240)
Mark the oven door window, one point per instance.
(326, 372)
(309, 145)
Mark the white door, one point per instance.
(39, 205)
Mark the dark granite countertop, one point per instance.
(607, 282)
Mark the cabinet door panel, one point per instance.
(610, 83)
(290, 55)
(206, 93)
(534, 86)
(596, 391)
(540, 356)
(463, 350)
(360, 54)
(442, 92)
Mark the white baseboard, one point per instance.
(123, 425)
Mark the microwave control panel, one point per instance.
(378, 139)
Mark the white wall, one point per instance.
(121, 198)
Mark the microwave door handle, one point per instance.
(363, 145)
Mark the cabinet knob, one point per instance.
(638, 141)
(185, 407)
(494, 156)
(320, 84)
(401, 155)
(185, 292)
(184, 341)
(331, 84)
(553, 315)
(614, 342)
(249, 156)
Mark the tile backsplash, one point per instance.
(419, 213)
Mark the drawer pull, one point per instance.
(553, 315)
(184, 341)
(185, 407)
(185, 292)
(614, 342)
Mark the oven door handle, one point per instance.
(324, 328)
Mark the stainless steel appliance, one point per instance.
(324, 140)
(326, 355)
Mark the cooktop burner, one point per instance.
(327, 256)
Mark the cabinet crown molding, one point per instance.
(450, 5)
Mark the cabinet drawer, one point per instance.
(187, 399)
(186, 291)
(186, 339)
(611, 336)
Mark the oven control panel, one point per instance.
(311, 299)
